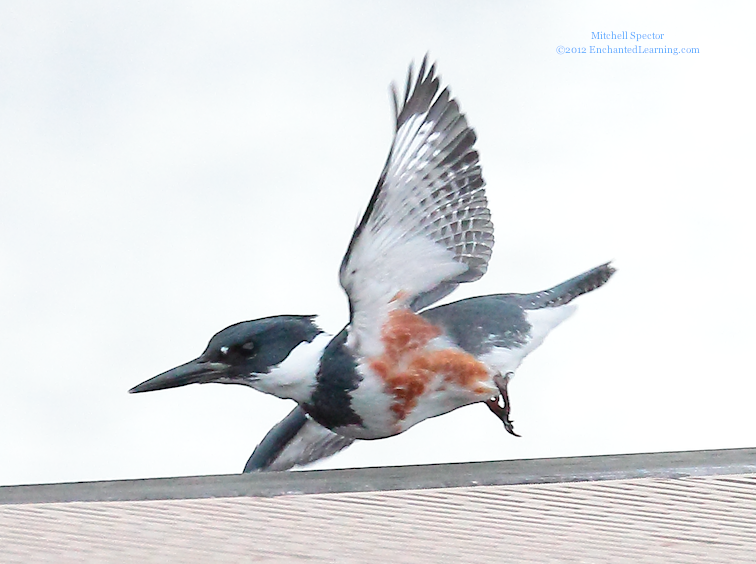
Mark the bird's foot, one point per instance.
(500, 406)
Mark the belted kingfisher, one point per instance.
(427, 229)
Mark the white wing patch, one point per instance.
(427, 227)
(392, 268)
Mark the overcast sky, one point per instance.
(170, 168)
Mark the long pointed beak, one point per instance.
(195, 372)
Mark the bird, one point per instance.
(398, 361)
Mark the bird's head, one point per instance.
(277, 355)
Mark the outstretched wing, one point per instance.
(427, 227)
(295, 441)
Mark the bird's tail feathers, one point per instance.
(565, 292)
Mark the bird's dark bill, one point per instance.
(194, 372)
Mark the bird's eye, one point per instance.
(224, 350)
(249, 346)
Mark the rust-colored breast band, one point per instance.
(407, 368)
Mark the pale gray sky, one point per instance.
(170, 168)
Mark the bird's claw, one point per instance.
(500, 406)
